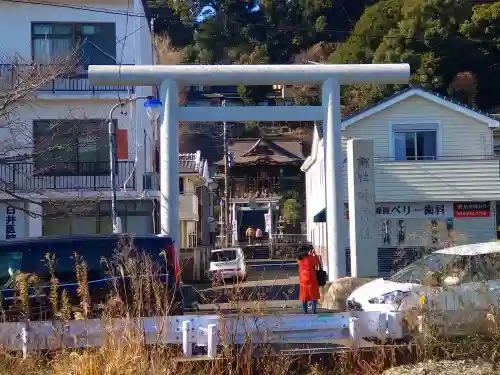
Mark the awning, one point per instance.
(320, 217)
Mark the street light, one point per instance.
(153, 108)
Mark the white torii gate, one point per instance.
(170, 77)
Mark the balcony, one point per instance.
(11, 75)
(446, 179)
(25, 177)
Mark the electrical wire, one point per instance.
(136, 135)
(120, 62)
(347, 33)
(77, 7)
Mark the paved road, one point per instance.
(270, 285)
(271, 269)
(270, 290)
(250, 307)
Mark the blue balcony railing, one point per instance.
(26, 177)
(11, 75)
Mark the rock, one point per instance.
(334, 295)
(445, 368)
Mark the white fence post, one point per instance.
(382, 326)
(187, 345)
(354, 332)
(395, 325)
(420, 324)
(213, 339)
(25, 339)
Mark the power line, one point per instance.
(77, 7)
(295, 28)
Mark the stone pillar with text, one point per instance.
(234, 225)
(362, 216)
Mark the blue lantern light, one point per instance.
(153, 108)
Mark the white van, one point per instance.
(468, 273)
(228, 263)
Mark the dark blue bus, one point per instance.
(28, 256)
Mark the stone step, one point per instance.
(257, 252)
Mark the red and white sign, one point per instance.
(472, 209)
(267, 218)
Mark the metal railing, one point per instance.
(10, 76)
(208, 331)
(258, 187)
(27, 177)
(278, 239)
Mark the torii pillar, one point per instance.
(331, 77)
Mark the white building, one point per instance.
(437, 177)
(195, 201)
(70, 184)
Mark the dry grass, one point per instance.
(128, 354)
(167, 54)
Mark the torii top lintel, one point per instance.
(185, 75)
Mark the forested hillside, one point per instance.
(451, 45)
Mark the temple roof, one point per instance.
(264, 150)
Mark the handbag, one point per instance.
(321, 276)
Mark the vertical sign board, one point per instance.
(235, 232)
(361, 186)
(10, 222)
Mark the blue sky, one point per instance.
(209, 11)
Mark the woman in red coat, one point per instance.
(309, 288)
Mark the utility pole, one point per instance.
(112, 168)
(226, 190)
(153, 108)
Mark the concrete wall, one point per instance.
(16, 21)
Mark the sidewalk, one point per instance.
(288, 307)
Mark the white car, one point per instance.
(468, 273)
(228, 263)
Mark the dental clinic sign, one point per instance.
(472, 209)
(413, 210)
(427, 210)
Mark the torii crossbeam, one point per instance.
(329, 76)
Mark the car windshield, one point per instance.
(223, 256)
(417, 271)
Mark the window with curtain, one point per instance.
(415, 145)
(52, 41)
(93, 43)
(71, 147)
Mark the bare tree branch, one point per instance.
(29, 163)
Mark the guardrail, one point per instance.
(208, 331)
